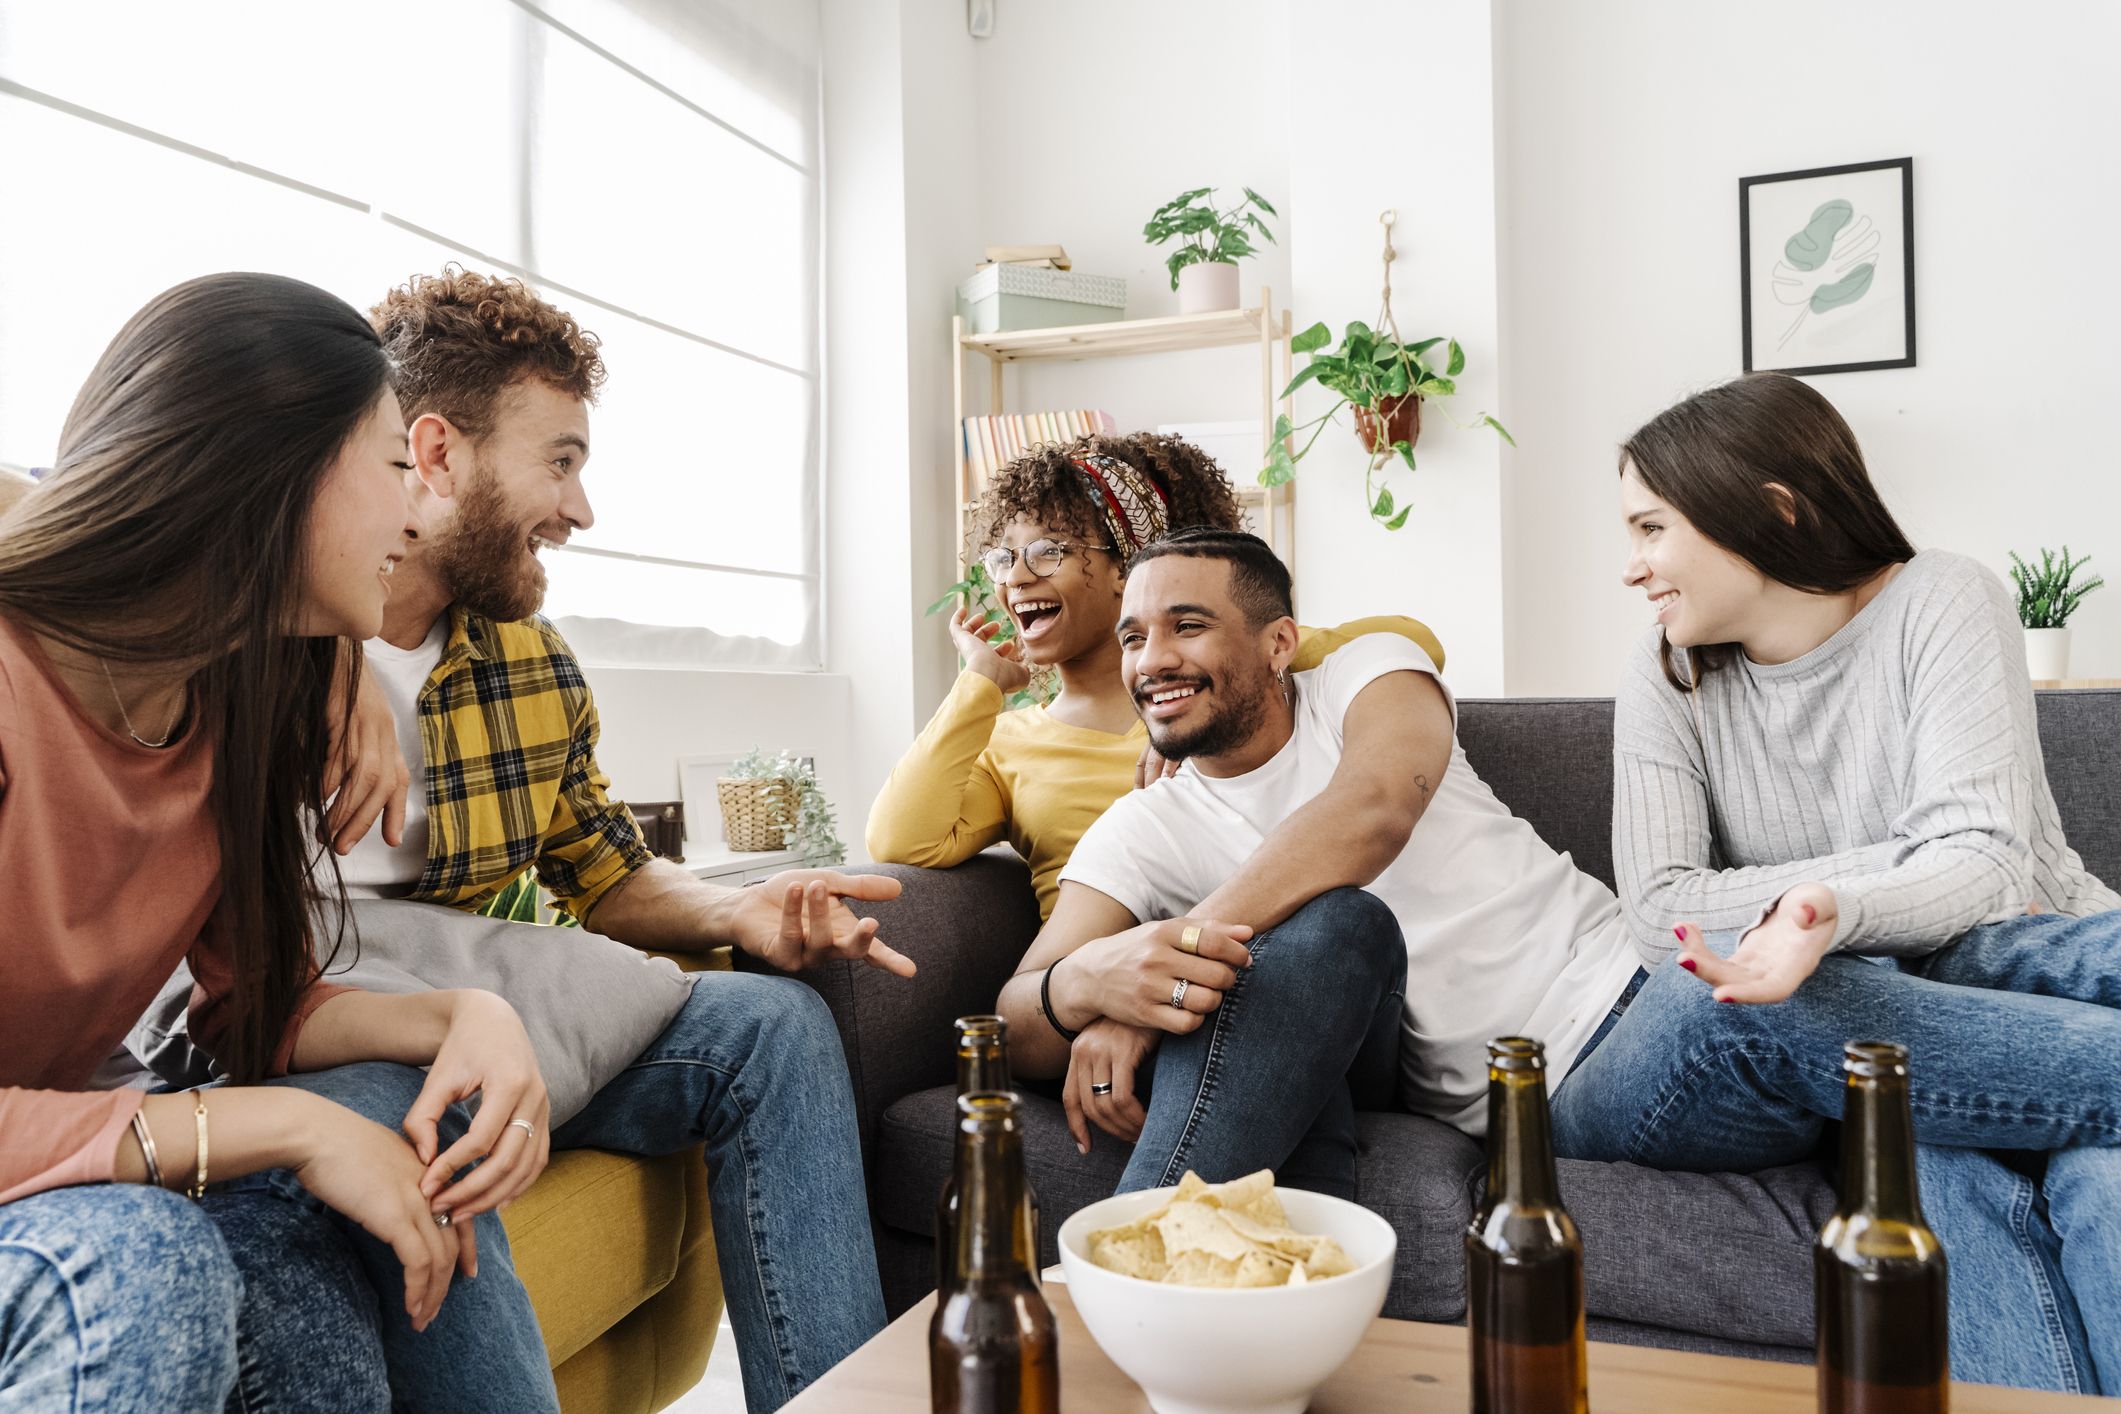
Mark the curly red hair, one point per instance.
(459, 340)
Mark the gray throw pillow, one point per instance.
(590, 1004)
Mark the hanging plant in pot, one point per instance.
(1204, 268)
(1384, 382)
(2046, 599)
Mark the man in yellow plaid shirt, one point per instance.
(496, 718)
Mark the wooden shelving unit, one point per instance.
(1272, 508)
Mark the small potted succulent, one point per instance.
(1204, 268)
(1384, 382)
(775, 802)
(2046, 599)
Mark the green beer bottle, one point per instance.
(1878, 1273)
(993, 1347)
(982, 1064)
(1524, 1260)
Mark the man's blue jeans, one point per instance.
(1273, 1079)
(124, 1298)
(2003, 1057)
(753, 1069)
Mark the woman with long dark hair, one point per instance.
(1826, 759)
(227, 503)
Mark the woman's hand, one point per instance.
(364, 772)
(1775, 956)
(1151, 767)
(1107, 1053)
(976, 644)
(358, 1168)
(1130, 976)
(485, 1053)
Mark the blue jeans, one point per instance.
(1308, 1035)
(2000, 1061)
(483, 1349)
(116, 1298)
(753, 1068)
(120, 1297)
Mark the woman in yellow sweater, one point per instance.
(1060, 525)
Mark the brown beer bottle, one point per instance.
(1524, 1260)
(982, 1064)
(1878, 1277)
(993, 1347)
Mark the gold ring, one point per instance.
(1189, 938)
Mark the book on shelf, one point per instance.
(992, 442)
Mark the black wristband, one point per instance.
(1045, 1004)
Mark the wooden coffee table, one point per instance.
(1402, 1366)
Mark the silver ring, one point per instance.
(525, 1125)
(1097, 1089)
(442, 1220)
(1178, 993)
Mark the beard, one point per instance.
(1235, 712)
(484, 559)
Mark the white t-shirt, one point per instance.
(1504, 935)
(374, 869)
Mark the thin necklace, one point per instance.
(168, 735)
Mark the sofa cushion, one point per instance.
(1725, 1256)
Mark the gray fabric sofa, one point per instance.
(1714, 1262)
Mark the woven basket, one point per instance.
(756, 813)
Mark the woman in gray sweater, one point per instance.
(1830, 809)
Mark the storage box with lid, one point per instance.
(1005, 297)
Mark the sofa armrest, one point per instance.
(966, 929)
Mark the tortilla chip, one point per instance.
(1233, 1234)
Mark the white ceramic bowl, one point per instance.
(1261, 1350)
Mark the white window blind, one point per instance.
(649, 165)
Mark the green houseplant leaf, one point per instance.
(1207, 232)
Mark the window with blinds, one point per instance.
(650, 165)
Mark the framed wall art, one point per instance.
(1826, 262)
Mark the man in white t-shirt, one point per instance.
(1259, 1056)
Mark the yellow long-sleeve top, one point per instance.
(978, 774)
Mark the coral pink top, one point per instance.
(114, 872)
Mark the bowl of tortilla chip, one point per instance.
(1218, 1298)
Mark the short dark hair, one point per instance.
(1259, 581)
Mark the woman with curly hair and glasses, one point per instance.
(1058, 527)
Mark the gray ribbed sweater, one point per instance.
(1898, 762)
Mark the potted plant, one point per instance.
(1384, 381)
(1204, 268)
(2046, 599)
(775, 802)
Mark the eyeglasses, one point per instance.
(1041, 557)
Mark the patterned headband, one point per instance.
(1133, 506)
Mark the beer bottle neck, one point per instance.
(1878, 1150)
(1520, 1141)
(990, 1186)
(983, 1064)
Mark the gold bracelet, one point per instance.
(198, 1188)
(145, 1137)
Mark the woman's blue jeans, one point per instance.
(122, 1298)
(1273, 1079)
(2015, 1045)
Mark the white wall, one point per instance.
(1093, 114)
(1445, 566)
(1626, 128)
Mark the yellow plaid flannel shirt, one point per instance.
(510, 735)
